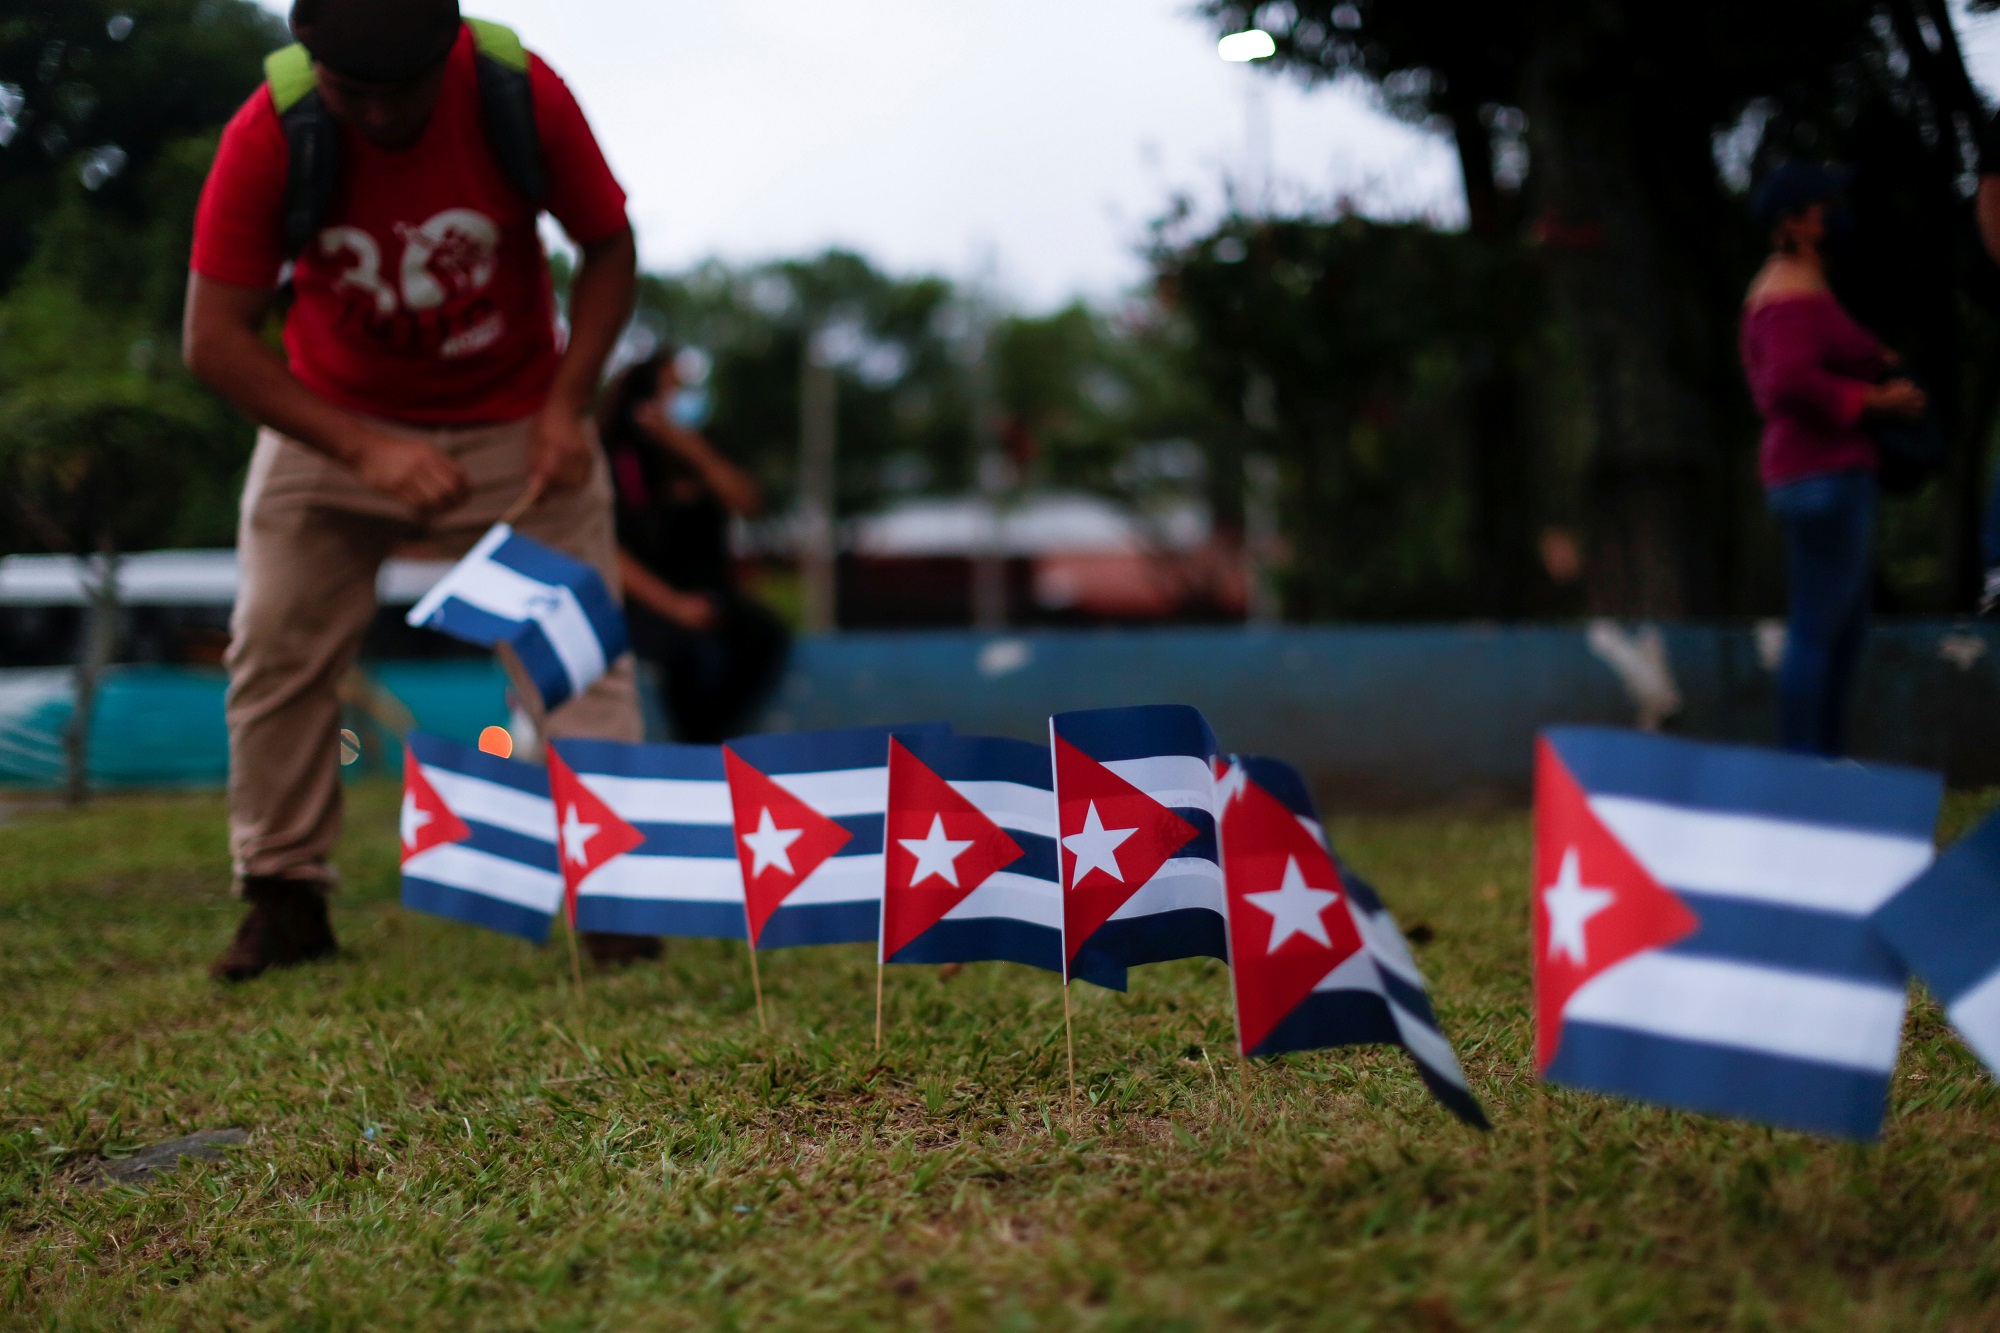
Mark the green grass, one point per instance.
(443, 1135)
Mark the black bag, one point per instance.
(1909, 452)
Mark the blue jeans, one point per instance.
(1829, 523)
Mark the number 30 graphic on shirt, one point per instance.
(454, 252)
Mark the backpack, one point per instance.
(506, 103)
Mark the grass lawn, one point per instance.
(444, 1135)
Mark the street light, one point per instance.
(1243, 47)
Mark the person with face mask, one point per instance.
(719, 652)
(395, 165)
(1819, 380)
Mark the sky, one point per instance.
(1024, 144)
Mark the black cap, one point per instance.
(1795, 184)
(377, 41)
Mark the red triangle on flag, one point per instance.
(1289, 919)
(1595, 906)
(588, 832)
(1114, 838)
(780, 840)
(426, 821)
(939, 847)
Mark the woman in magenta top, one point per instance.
(1818, 379)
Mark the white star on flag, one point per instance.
(935, 853)
(1294, 908)
(576, 836)
(415, 817)
(1096, 847)
(770, 845)
(1570, 904)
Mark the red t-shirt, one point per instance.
(425, 298)
(1810, 366)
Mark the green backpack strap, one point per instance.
(506, 104)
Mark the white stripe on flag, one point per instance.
(1013, 806)
(512, 595)
(840, 879)
(1016, 897)
(1795, 1014)
(1428, 1045)
(663, 800)
(1171, 779)
(694, 879)
(492, 803)
(427, 605)
(1181, 883)
(1976, 1015)
(1385, 943)
(840, 792)
(1356, 972)
(1812, 866)
(461, 867)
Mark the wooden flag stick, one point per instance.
(575, 962)
(879, 969)
(529, 499)
(1541, 1097)
(1069, 1040)
(757, 989)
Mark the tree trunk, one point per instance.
(100, 643)
(1652, 469)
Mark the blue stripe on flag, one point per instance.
(1037, 860)
(1721, 1080)
(1775, 936)
(475, 909)
(436, 752)
(1738, 780)
(822, 923)
(826, 751)
(659, 916)
(512, 846)
(538, 657)
(1203, 844)
(983, 759)
(867, 832)
(1111, 734)
(686, 763)
(1410, 997)
(1333, 1018)
(1946, 923)
(998, 939)
(715, 841)
(1188, 932)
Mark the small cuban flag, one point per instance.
(478, 839)
(970, 866)
(809, 810)
(551, 609)
(1316, 959)
(1946, 927)
(1135, 803)
(1701, 925)
(647, 839)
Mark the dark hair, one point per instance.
(617, 423)
(377, 41)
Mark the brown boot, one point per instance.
(607, 950)
(287, 925)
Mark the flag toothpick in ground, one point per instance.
(1702, 926)
(647, 842)
(808, 810)
(1315, 958)
(551, 609)
(478, 839)
(1945, 926)
(970, 855)
(1135, 799)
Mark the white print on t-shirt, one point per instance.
(452, 255)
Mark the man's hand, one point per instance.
(414, 471)
(564, 451)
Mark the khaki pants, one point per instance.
(310, 543)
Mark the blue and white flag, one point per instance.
(478, 839)
(971, 855)
(1946, 926)
(1702, 925)
(551, 609)
(1135, 807)
(646, 838)
(809, 809)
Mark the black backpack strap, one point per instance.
(312, 141)
(507, 102)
